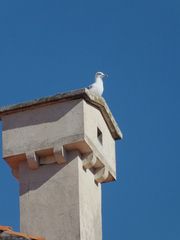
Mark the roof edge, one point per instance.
(83, 93)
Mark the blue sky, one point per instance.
(54, 46)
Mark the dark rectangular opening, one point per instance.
(99, 136)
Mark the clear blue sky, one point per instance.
(54, 46)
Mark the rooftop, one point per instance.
(93, 100)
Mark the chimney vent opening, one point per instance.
(99, 135)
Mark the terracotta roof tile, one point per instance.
(7, 233)
(5, 228)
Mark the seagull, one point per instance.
(97, 87)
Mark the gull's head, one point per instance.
(100, 75)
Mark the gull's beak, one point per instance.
(105, 76)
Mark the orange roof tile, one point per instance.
(5, 228)
(8, 230)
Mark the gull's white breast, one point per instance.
(97, 88)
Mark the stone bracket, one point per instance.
(15, 172)
(89, 161)
(32, 160)
(101, 175)
(60, 154)
(100, 171)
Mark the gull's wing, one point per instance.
(90, 86)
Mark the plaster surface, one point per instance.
(93, 120)
(60, 201)
(42, 128)
(84, 93)
(90, 206)
(38, 134)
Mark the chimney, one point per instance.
(61, 149)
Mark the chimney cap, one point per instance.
(83, 93)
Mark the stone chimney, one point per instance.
(61, 149)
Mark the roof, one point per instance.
(7, 233)
(84, 93)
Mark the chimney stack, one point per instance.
(61, 149)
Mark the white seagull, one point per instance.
(97, 87)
